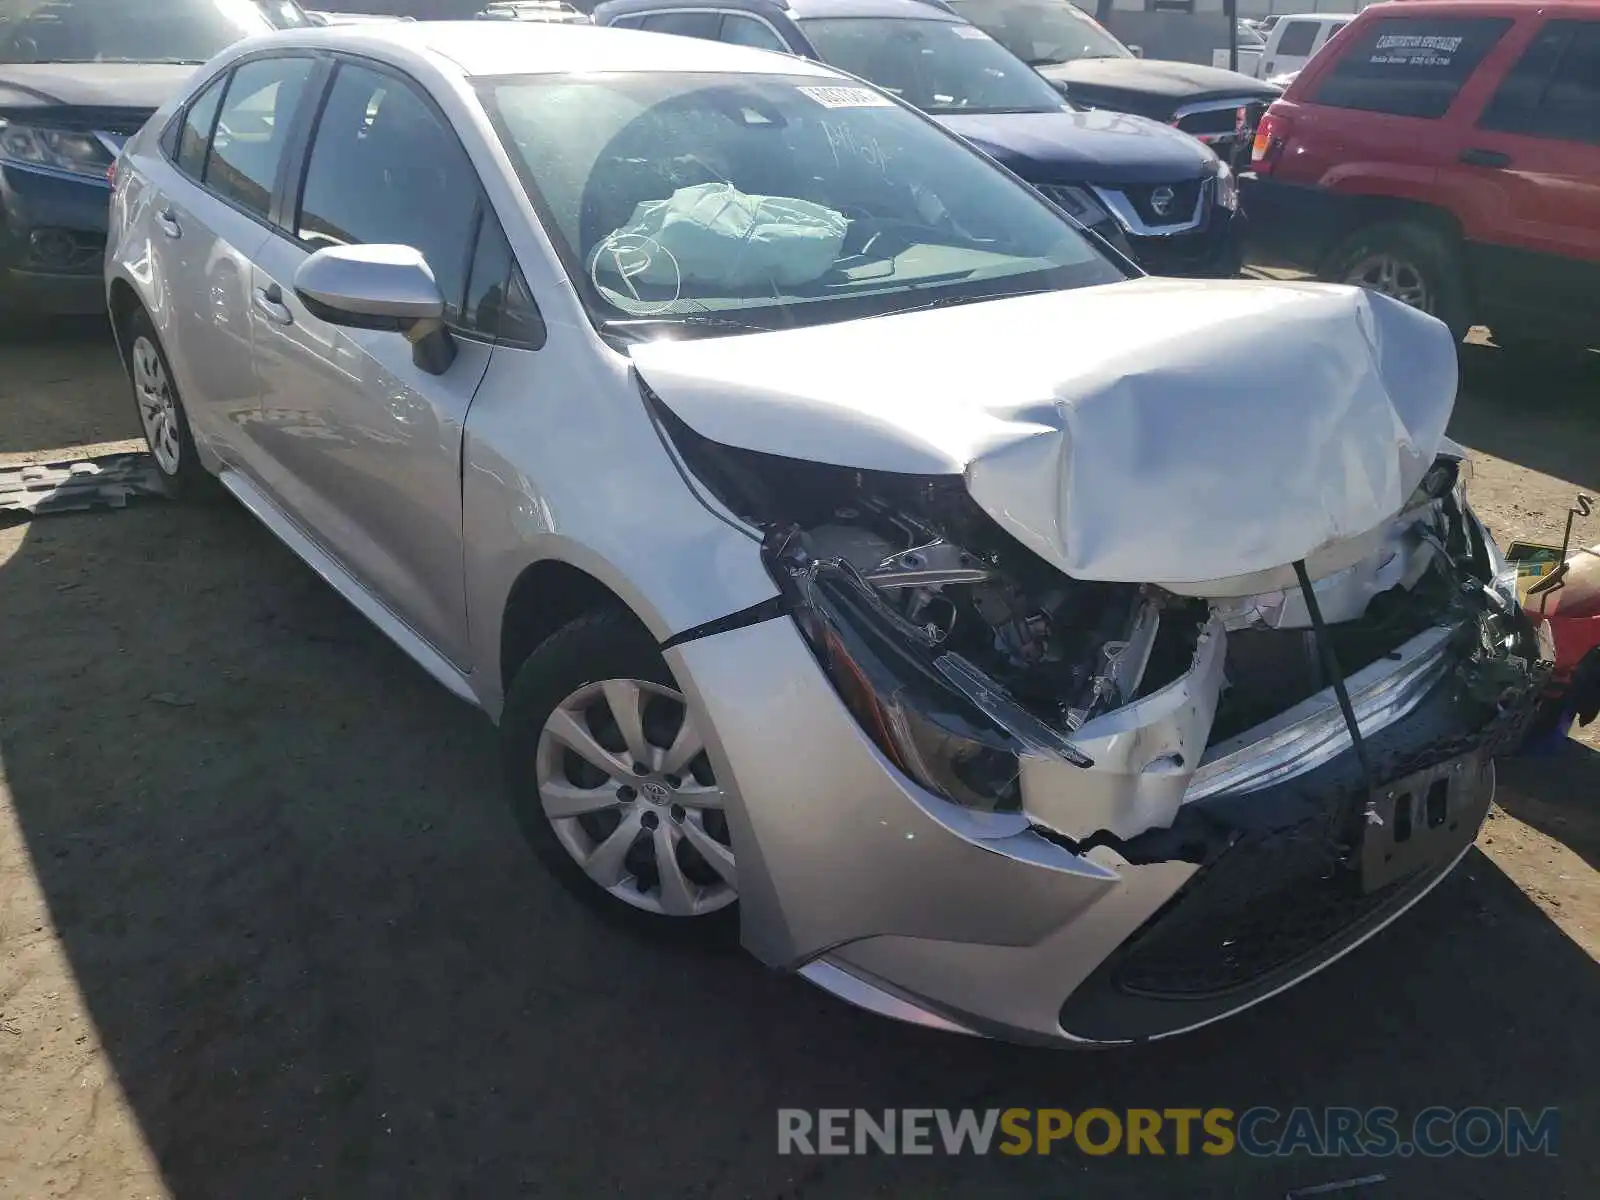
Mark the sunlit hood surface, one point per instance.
(1159, 430)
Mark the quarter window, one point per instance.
(194, 136)
(252, 130)
(384, 170)
(747, 31)
(1410, 66)
(1554, 90)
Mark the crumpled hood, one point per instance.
(1084, 147)
(1158, 430)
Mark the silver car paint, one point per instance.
(560, 462)
(364, 448)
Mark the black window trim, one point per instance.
(175, 127)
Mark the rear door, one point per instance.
(1531, 166)
(211, 212)
(365, 445)
(1385, 113)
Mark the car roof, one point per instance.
(1421, 8)
(798, 10)
(477, 48)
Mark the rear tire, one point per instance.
(162, 417)
(607, 776)
(1412, 262)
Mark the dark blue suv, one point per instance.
(1158, 195)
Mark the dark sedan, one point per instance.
(77, 79)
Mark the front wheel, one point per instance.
(607, 774)
(1408, 261)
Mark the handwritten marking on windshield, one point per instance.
(843, 139)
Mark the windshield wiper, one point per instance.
(697, 320)
(952, 301)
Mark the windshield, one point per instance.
(721, 202)
(83, 31)
(937, 66)
(1042, 32)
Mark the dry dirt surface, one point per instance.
(267, 930)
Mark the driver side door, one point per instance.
(363, 445)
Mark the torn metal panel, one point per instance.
(1114, 431)
(108, 482)
(1144, 755)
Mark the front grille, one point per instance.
(1179, 253)
(1276, 898)
(1248, 919)
(1164, 204)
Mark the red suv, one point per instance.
(1446, 152)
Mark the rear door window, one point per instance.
(1409, 66)
(689, 24)
(253, 129)
(1554, 89)
(1298, 38)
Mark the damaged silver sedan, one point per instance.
(859, 558)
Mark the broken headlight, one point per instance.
(887, 674)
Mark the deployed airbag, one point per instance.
(713, 236)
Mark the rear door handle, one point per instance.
(168, 220)
(269, 303)
(1485, 158)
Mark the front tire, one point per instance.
(1409, 261)
(607, 775)
(162, 417)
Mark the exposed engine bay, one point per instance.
(999, 683)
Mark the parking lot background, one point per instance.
(266, 928)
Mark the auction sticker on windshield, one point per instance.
(847, 97)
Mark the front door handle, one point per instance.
(168, 220)
(1485, 158)
(269, 303)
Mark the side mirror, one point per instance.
(390, 288)
(1136, 51)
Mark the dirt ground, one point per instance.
(267, 930)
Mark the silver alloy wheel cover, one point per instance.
(1393, 277)
(665, 813)
(158, 408)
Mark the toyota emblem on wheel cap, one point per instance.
(655, 792)
(1161, 200)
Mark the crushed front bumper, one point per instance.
(913, 907)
